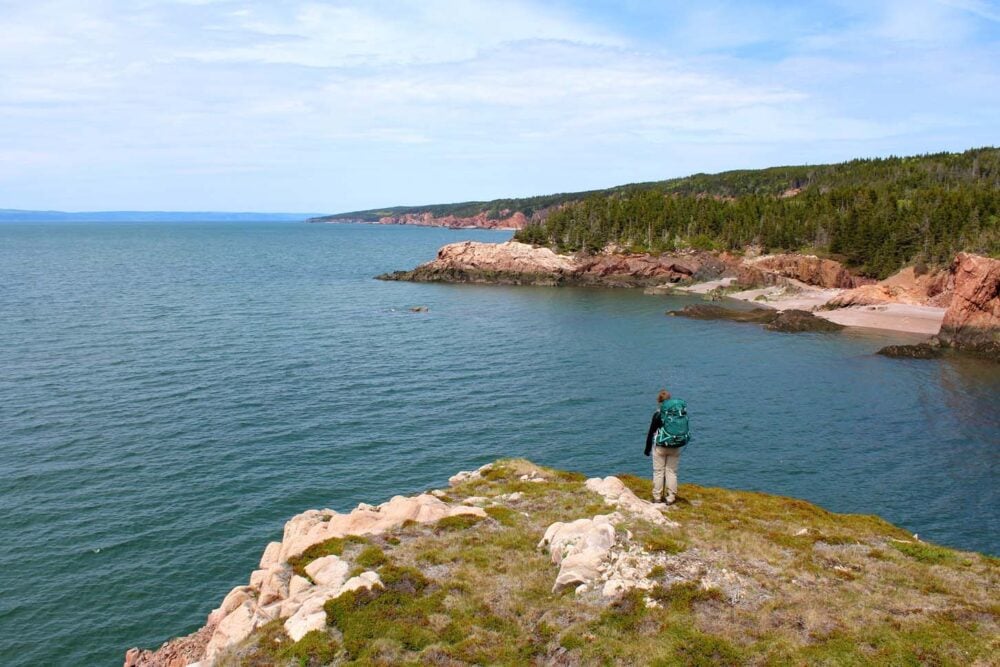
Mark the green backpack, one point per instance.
(675, 431)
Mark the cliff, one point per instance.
(518, 564)
(516, 263)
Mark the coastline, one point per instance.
(516, 563)
(957, 307)
(902, 317)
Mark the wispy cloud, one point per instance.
(334, 105)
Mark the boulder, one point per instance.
(614, 492)
(298, 626)
(367, 579)
(791, 320)
(310, 614)
(313, 527)
(328, 571)
(578, 548)
(233, 599)
(234, 628)
(801, 321)
(298, 585)
(275, 584)
(972, 321)
(271, 556)
(918, 351)
(704, 311)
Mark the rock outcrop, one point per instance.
(809, 269)
(906, 287)
(518, 263)
(972, 321)
(505, 220)
(788, 321)
(275, 592)
(735, 567)
(971, 324)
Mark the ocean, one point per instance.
(172, 393)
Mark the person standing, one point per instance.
(668, 432)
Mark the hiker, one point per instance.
(668, 432)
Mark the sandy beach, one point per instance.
(890, 316)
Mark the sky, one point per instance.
(288, 105)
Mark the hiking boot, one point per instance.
(669, 501)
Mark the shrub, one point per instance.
(458, 522)
(332, 547)
(316, 648)
(371, 557)
(925, 553)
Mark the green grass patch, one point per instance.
(505, 516)
(399, 612)
(626, 614)
(681, 596)
(663, 542)
(315, 649)
(333, 547)
(457, 522)
(371, 557)
(925, 553)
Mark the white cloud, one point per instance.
(257, 104)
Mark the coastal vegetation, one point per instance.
(875, 215)
(740, 578)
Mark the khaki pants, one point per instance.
(665, 463)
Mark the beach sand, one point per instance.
(891, 316)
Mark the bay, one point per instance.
(171, 393)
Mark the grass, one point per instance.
(925, 553)
(746, 578)
(333, 547)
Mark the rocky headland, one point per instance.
(504, 220)
(958, 305)
(519, 564)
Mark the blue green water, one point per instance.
(170, 394)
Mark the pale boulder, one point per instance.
(298, 625)
(257, 579)
(234, 628)
(271, 556)
(310, 614)
(275, 584)
(367, 579)
(328, 571)
(233, 599)
(616, 493)
(579, 548)
(298, 585)
(303, 531)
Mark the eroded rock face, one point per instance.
(928, 289)
(276, 593)
(972, 321)
(506, 220)
(523, 264)
(809, 269)
(314, 526)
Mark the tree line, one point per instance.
(877, 215)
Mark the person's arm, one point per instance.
(653, 426)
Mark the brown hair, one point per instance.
(664, 395)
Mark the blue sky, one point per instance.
(331, 106)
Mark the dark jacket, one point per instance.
(654, 425)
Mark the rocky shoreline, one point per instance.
(515, 564)
(959, 305)
(506, 220)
